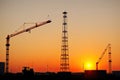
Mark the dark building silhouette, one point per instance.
(2, 68)
(116, 74)
(95, 74)
(28, 73)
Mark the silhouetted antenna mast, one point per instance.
(64, 65)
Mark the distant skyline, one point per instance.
(92, 24)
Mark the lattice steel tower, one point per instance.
(64, 64)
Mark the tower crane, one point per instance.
(109, 58)
(17, 33)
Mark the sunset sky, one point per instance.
(92, 24)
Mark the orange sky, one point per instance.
(92, 24)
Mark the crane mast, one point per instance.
(110, 60)
(14, 34)
(109, 57)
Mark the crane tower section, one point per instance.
(64, 64)
(110, 60)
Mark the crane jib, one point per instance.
(49, 21)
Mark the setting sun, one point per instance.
(88, 66)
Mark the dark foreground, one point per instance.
(29, 74)
(58, 76)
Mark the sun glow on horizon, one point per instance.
(88, 66)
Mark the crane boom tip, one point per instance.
(49, 21)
